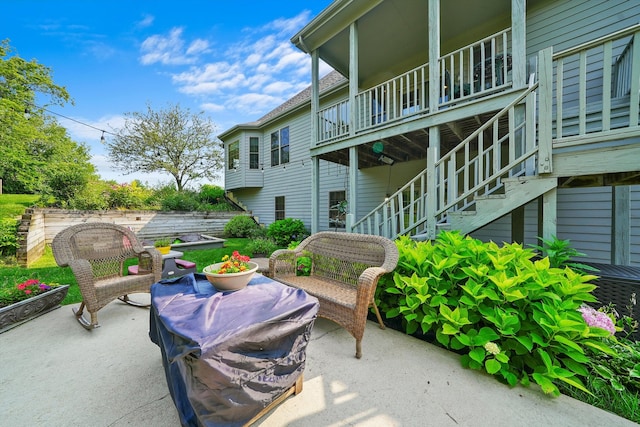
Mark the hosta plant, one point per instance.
(508, 314)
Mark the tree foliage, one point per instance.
(34, 148)
(171, 140)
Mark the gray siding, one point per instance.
(584, 218)
(635, 225)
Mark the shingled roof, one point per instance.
(327, 82)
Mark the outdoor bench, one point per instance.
(344, 273)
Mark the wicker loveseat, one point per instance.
(345, 269)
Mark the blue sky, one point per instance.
(231, 59)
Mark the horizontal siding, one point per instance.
(499, 231)
(635, 225)
(567, 23)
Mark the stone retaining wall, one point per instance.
(38, 226)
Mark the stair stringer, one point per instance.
(518, 191)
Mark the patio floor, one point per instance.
(55, 373)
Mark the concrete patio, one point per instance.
(55, 373)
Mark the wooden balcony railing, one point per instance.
(474, 70)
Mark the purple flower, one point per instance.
(597, 319)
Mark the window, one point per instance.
(254, 153)
(279, 208)
(233, 159)
(280, 147)
(337, 211)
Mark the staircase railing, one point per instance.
(504, 146)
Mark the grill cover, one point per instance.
(227, 355)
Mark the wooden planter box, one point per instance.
(23, 311)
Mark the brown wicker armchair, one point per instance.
(345, 269)
(96, 253)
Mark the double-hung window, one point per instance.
(233, 155)
(254, 152)
(280, 147)
(279, 208)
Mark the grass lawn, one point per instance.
(46, 270)
(13, 205)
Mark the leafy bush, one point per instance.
(8, 237)
(128, 196)
(561, 254)
(211, 194)
(508, 315)
(285, 231)
(261, 245)
(240, 226)
(181, 201)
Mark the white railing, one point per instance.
(596, 86)
(400, 213)
(505, 146)
(333, 121)
(474, 70)
(478, 68)
(396, 98)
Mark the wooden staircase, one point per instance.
(517, 192)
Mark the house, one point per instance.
(505, 119)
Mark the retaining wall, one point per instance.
(39, 226)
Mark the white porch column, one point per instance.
(545, 102)
(315, 97)
(519, 42)
(549, 214)
(353, 76)
(621, 226)
(352, 198)
(315, 163)
(315, 194)
(434, 54)
(433, 154)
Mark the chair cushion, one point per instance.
(133, 269)
(185, 264)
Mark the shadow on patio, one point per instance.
(55, 373)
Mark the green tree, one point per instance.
(33, 146)
(170, 140)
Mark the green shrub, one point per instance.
(240, 226)
(561, 254)
(211, 194)
(181, 201)
(127, 196)
(261, 245)
(8, 237)
(285, 231)
(508, 315)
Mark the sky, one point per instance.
(231, 59)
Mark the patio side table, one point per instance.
(230, 356)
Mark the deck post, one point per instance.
(518, 42)
(353, 77)
(434, 54)
(353, 186)
(545, 124)
(315, 193)
(549, 214)
(433, 154)
(621, 225)
(315, 97)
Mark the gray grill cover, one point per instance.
(227, 355)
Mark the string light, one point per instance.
(102, 138)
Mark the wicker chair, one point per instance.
(96, 253)
(345, 269)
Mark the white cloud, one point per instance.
(169, 49)
(210, 106)
(252, 76)
(146, 21)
